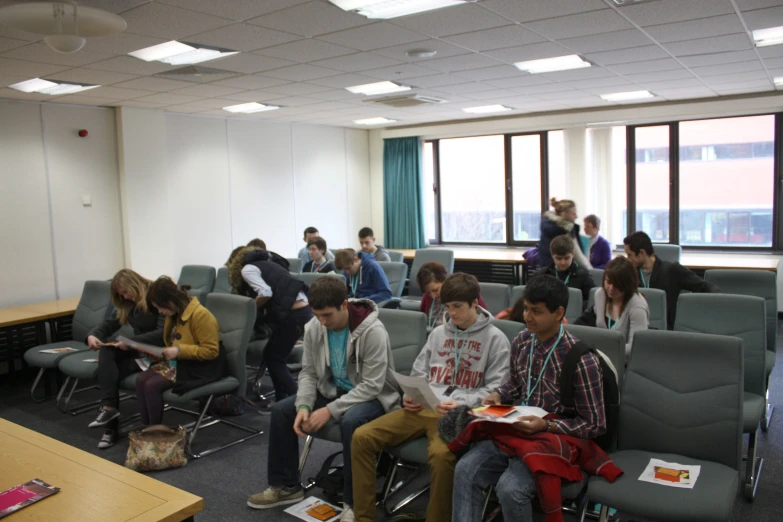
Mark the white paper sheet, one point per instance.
(66, 349)
(155, 351)
(418, 389)
(687, 478)
(299, 510)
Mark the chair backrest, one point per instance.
(510, 328)
(201, 278)
(735, 315)
(496, 296)
(591, 299)
(396, 257)
(222, 286)
(236, 316)
(295, 265)
(92, 308)
(407, 334)
(574, 309)
(610, 342)
(683, 394)
(425, 255)
(671, 253)
(396, 274)
(517, 292)
(597, 275)
(761, 283)
(656, 302)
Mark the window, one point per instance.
(558, 185)
(428, 174)
(526, 183)
(652, 181)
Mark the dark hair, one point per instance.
(257, 243)
(430, 272)
(319, 242)
(327, 292)
(233, 253)
(593, 220)
(366, 232)
(344, 258)
(621, 273)
(460, 287)
(548, 290)
(310, 230)
(639, 241)
(562, 246)
(518, 311)
(165, 292)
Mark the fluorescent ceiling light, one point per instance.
(559, 63)
(180, 53)
(370, 89)
(250, 107)
(485, 109)
(374, 121)
(626, 96)
(771, 36)
(50, 87)
(383, 9)
(778, 81)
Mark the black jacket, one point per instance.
(192, 373)
(147, 326)
(324, 269)
(285, 287)
(578, 277)
(552, 226)
(673, 278)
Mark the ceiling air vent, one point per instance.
(196, 73)
(411, 100)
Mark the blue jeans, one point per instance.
(283, 459)
(486, 465)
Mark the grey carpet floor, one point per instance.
(225, 479)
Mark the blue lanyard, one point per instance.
(543, 367)
(645, 283)
(609, 322)
(568, 277)
(458, 353)
(432, 319)
(355, 281)
(315, 268)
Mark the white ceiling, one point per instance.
(301, 54)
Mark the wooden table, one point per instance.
(494, 255)
(92, 489)
(704, 261)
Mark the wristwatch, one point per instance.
(550, 426)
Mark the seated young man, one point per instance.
(599, 251)
(363, 275)
(304, 255)
(316, 249)
(464, 359)
(332, 386)
(672, 278)
(430, 278)
(566, 269)
(367, 241)
(537, 356)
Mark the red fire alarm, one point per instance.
(83, 133)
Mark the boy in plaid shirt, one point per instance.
(537, 356)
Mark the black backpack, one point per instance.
(330, 480)
(607, 441)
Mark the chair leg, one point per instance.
(753, 466)
(303, 460)
(767, 418)
(35, 385)
(62, 391)
(604, 516)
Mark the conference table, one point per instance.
(91, 488)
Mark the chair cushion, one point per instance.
(129, 382)
(35, 358)
(331, 432)
(770, 363)
(74, 365)
(221, 387)
(752, 411)
(410, 303)
(712, 497)
(413, 451)
(571, 490)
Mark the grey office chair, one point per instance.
(591, 299)
(574, 308)
(696, 381)
(496, 296)
(425, 255)
(597, 275)
(656, 302)
(517, 292)
(396, 257)
(395, 273)
(200, 278)
(510, 328)
(667, 252)
(609, 342)
(222, 286)
(295, 265)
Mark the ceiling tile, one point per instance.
(671, 84)
(154, 84)
(13, 94)
(666, 64)
(297, 89)
(140, 104)
(544, 87)
(718, 58)
(211, 103)
(462, 62)
(715, 44)
(495, 38)
(488, 96)
(333, 94)
(295, 101)
(455, 20)
(668, 11)
(91, 76)
(118, 93)
(78, 99)
(11, 43)
(10, 79)
(529, 52)
(443, 50)
(186, 109)
(467, 89)
(233, 9)
(250, 82)
(342, 81)
(306, 50)
(773, 51)
(764, 18)
(599, 83)
(166, 97)
(702, 28)
(248, 63)
(528, 11)
(728, 68)
(29, 69)
(113, 6)
(744, 90)
(596, 43)
(577, 74)
(243, 37)
(301, 72)
(491, 73)
(635, 54)
(373, 36)
(687, 93)
(172, 23)
(436, 80)
(747, 5)
(399, 72)
(524, 80)
(675, 74)
(8, 32)
(714, 81)
(124, 43)
(582, 24)
(739, 85)
(311, 19)
(207, 90)
(130, 65)
(39, 52)
(253, 96)
(357, 62)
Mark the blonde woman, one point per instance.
(561, 221)
(115, 361)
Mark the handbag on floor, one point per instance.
(155, 448)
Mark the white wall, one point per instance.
(51, 242)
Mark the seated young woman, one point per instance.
(618, 303)
(316, 249)
(115, 361)
(430, 278)
(193, 355)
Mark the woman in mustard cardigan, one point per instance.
(193, 355)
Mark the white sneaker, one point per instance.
(347, 515)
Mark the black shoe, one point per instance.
(108, 440)
(105, 417)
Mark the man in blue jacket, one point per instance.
(363, 275)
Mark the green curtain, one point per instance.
(403, 200)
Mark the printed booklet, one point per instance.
(18, 497)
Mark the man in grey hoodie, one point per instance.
(367, 241)
(464, 359)
(346, 377)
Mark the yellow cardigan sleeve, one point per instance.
(205, 336)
